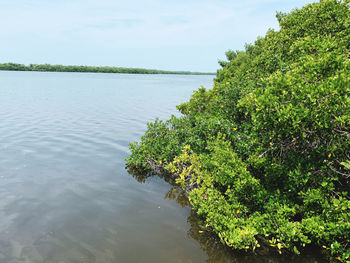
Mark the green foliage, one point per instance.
(13, 66)
(264, 156)
(61, 68)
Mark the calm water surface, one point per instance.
(65, 195)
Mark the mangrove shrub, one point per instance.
(264, 156)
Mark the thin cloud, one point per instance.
(58, 29)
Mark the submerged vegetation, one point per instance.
(61, 68)
(264, 156)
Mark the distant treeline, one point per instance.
(61, 68)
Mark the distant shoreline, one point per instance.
(92, 69)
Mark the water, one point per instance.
(65, 195)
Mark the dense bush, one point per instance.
(265, 155)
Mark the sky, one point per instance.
(159, 34)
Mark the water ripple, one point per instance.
(64, 193)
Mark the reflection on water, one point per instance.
(215, 250)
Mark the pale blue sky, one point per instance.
(162, 34)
